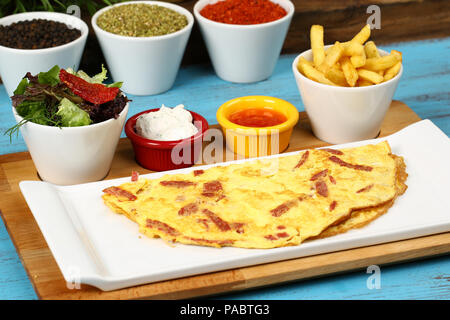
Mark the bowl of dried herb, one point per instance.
(143, 43)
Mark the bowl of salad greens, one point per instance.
(71, 123)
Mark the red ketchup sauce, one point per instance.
(257, 117)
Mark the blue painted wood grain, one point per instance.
(427, 279)
(424, 87)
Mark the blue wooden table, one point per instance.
(424, 87)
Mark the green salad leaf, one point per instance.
(23, 84)
(45, 100)
(115, 84)
(50, 77)
(98, 78)
(71, 115)
(33, 111)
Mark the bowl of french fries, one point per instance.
(346, 87)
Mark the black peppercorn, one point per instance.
(37, 34)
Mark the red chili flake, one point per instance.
(282, 235)
(333, 151)
(350, 165)
(221, 224)
(134, 176)
(318, 175)
(322, 188)
(302, 159)
(365, 188)
(243, 11)
(281, 227)
(188, 209)
(333, 205)
(161, 226)
(118, 192)
(177, 183)
(198, 172)
(332, 180)
(271, 237)
(93, 92)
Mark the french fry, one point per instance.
(371, 50)
(363, 83)
(317, 47)
(358, 61)
(336, 75)
(382, 63)
(363, 35)
(333, 56)
(392, 71)
(398, 54)
(356, 53)
(350, 73)
(370, 76)
(314, 74)
(353, 49)
(302, 61)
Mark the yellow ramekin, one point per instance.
(255, 142)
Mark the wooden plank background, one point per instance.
(401, 20)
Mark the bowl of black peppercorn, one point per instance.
(36, 41)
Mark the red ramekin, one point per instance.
(156, 155)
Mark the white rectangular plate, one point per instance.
(95, 246)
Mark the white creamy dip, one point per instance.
(166, 124)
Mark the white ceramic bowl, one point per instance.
(244, 53)
(73, 155)
(344, 114)
(15, 63)
(146, 65)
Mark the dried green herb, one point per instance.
(141, 20)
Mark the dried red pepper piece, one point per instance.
(95, 93)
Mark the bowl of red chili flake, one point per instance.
(244, 37)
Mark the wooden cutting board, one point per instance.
(50, 284)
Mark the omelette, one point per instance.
(265, 203)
